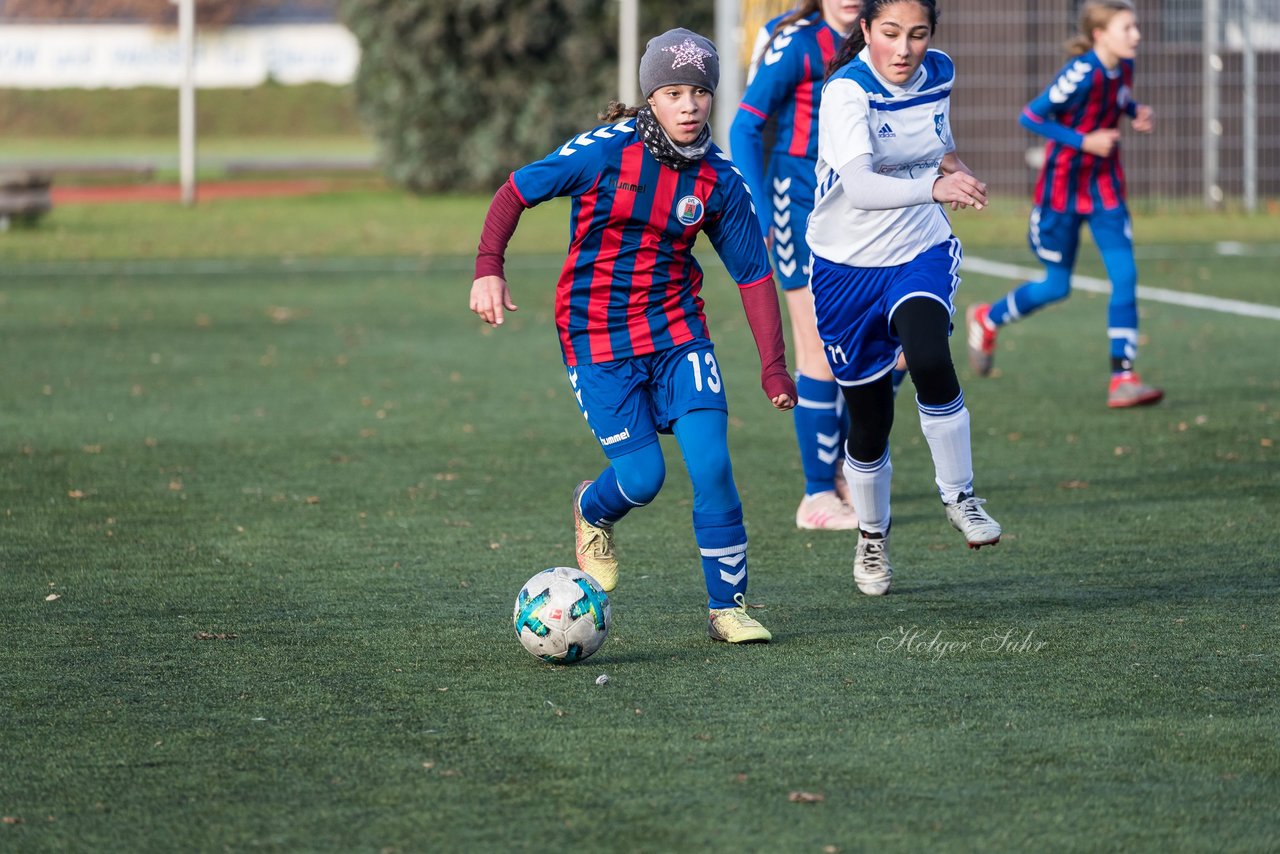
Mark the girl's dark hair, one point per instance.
(871, 10)
(615, 110)
(802, 10)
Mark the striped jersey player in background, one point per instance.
(885, 264)
(1082, 181)
(785, 87)
(630, 318)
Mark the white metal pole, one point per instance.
(729, 45)
(628, 51)
(1250, 61)
(1212, 65)
(187, 100)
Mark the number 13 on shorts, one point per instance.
(713, 371)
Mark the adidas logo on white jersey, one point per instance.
(886, 132)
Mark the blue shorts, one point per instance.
(1055, 235)
(628, 402)
(790, 185)
(855, 306)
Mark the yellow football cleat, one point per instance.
(734, 625)
(594, 545)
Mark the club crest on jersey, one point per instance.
(689, 210)
(1124, 97)
(940, 126)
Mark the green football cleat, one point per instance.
(594, 546)
(733, 625)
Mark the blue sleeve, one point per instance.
(1132, 107)
(779, 73)
(734, 234)
(1069, 90)
(746, 141)
(570, 170)
(1051, 129)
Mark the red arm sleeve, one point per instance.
(760, 302)
(499, 224)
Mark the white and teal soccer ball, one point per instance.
(562, 615)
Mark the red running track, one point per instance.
(113, 194)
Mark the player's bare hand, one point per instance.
(783, 402)
(1101, 143)
(490, 298)
(960, 190)
(1145, 119)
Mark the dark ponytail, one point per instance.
(871, 10)
(852, 46)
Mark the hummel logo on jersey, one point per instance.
(635, 188)
(886, 132)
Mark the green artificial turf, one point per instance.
(263, 517)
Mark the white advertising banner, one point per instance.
(121, 57)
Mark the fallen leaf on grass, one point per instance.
(11, 819)
(215, 635)
(805, 798)
(76, 493)
(1074, 484)
(53, 597)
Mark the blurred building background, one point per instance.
(53, 44)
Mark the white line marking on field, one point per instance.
(1221, 249)
(1088, 283)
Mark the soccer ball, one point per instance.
(562, 615)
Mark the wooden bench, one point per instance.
(24, 197)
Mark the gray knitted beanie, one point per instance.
(679, 56)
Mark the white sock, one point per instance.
(869, 488)
(946, 429)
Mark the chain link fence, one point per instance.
(1209, 68)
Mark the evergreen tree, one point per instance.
(458, 94)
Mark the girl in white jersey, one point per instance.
(885, 261)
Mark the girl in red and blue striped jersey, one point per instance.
(785, 89)
(630, 316)
(1082, 181)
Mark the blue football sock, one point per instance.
(1030, 297)
(722, 541)
(818, 419)
(1122, 307)
(633, 480)
(898, 376)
